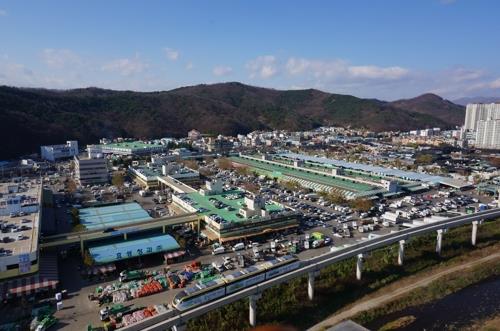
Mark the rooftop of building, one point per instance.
(389, 172)
(327, 180)
(20, 230)
(113, 215)
(133, 145)
(125, 249)
(151, 172)
(229, 203)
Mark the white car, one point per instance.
(238, 247)
(219, 250)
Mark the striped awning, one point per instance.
(46, 278)
(101, 269)
(173, 255)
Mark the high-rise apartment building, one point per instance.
(488, 134)
(476, 112)
(482, 125)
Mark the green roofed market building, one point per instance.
(235, 215)
(125, 148)
(132, 248)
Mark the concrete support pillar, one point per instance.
(439, 241)
(198, 227)
(253, 309)
(125, 236)
(164, 229)
(81, 247)
(310, 286)
(359, 266)
(474, 232)
(180, 327)
(401, 252)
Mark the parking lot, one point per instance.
(323, 225)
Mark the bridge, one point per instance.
(310, 268)
(82, 236)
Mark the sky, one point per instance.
(378, 49)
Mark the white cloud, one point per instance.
(189, 65)
(222, 70)
(59, 58)
(374, 72)
(495, 84)
(340, 69)
(3, 12)
(171, 54)
(263, 67)
(126, 66)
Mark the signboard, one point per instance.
(24, 263)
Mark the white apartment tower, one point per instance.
(476, 112)
(488, 134)
(482, 125)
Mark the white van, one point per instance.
(219, 250)
(238, 247)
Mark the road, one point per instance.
(372, 303)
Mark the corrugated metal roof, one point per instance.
(133, 248)
(409, 175)
(114, 215)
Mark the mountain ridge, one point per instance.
(33, 117)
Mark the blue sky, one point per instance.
(381, 49)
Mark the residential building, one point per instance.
(488, 134)
(476, 112)
(56, 152)
(194, 135)
(91, 171)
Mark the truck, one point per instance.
(128, 275)
(115, 310)
(46, 323)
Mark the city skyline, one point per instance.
(397, 50)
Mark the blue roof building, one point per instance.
(133, 248)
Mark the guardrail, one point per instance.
(170, 318)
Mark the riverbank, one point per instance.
(450, 302)
(336, 287)
(421, 287)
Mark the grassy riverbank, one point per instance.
(337, 286)
(436, 290)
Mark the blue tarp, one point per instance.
(114, 215)
(133, 248)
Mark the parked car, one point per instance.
(238, 247)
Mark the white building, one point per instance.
(91, 171)
(20, 208)
(488, 134)
(56, 152)
(476, 112)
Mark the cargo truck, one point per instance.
(115, 310)
(126, 276)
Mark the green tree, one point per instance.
(336, 198)
(424, 159)
(118, 180)
(75, 216)
(361, 205)
(224, 163)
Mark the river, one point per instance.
(451, 312)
